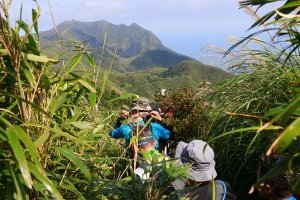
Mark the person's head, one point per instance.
(278, 187)
(201, 156)
(148, 146)
(146, 140)
(140, 108)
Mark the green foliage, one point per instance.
(186, 109)
(276, 101)
(158, 186)
(50, 132)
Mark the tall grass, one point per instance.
(54, 139)
(49, 140)
(259, 104)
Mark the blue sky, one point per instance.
(185, 26)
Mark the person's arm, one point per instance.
(120, 132)
(118, 123)
(160, 131)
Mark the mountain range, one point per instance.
(142, 64)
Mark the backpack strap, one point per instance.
(224, 189)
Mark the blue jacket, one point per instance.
(159, 132)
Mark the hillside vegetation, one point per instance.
(142, 65)
(147, 82)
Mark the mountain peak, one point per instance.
(135, 25)
(131, 40)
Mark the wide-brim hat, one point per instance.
(201, 156)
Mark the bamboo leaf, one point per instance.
(106, 74)
(18, 185)
(57, 102)
(33, 45)
(42, 139)
(286, 137)
(290, 4)
(46, 82)
(98, 128)
(78, 163)
(32, 57)
(35, 58)
(83, 125)
(69, 186)
(59, 133)
(30, 77)
(26, 140)
(74, 61)
(19, 155)
(35, 15)
(23, 25)
(90, 59)
(44, 179)
(87, 85)
(92, 98)
(263, 19)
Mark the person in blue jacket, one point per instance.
(138, 113)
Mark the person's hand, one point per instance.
(156, 115)
(124, 114)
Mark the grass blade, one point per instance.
(26, 140)
(286, 137)
(45, 180)
(19, 155)
(60, 133)
(77, 162)
(18, 185)
(87, 85)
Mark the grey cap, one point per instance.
(201, 156)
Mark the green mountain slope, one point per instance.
(147, 82)
(160, 58)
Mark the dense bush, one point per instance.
(185, 110)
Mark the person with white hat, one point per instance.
(201, 173)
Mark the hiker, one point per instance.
(137, 115)
(164, 145)
(148, 156)
(278, 187)
(200, 156)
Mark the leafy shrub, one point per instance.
(185, 110)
